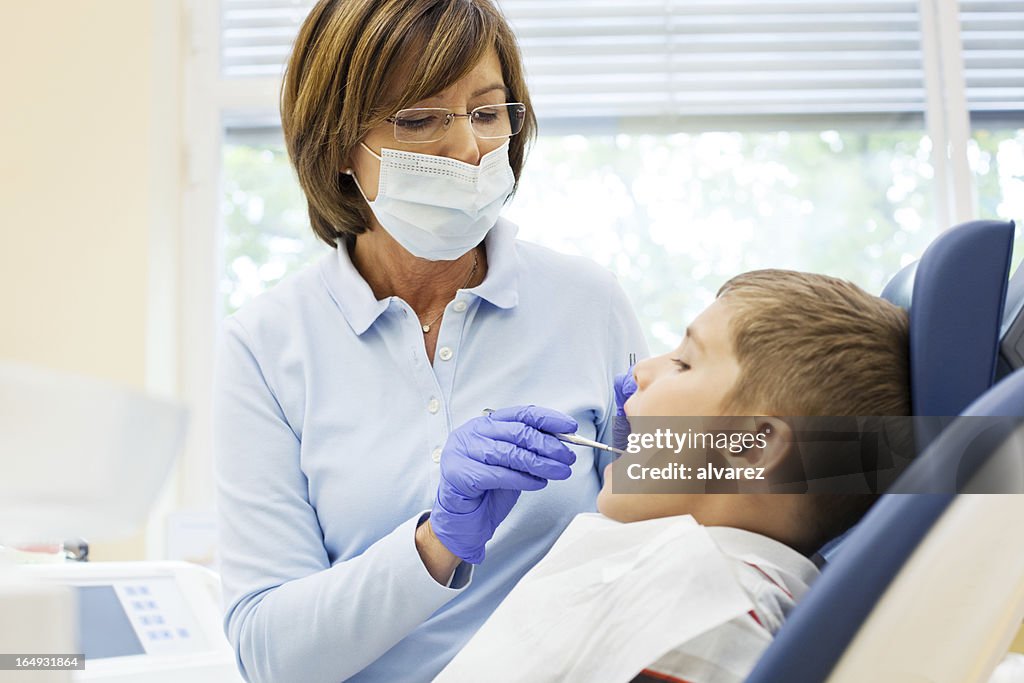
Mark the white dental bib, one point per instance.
(605, 602)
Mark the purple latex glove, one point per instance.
(486, 463)
(625, 386)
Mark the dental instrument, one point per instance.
(574, 439)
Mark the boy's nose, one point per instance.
(642, 373)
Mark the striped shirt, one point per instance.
(775, 577)
(677, 600)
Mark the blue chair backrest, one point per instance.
(824, 623)
(957, 293)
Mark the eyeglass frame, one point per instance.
(450, 116)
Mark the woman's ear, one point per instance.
(347, 166)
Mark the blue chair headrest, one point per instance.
(875, 550)
(957, 293)
(900, 289)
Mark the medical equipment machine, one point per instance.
(146, 622)
(81, 457)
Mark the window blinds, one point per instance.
(675, 59)
(993, 37)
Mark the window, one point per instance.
(993, 42)
(266, 229)
(673, 215)
(996, 155)
(682, 142)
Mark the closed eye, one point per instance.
(410, 123)
(485, 116)
(681, 364)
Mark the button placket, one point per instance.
(450, 330)
(446, 356)
(445, 352)
(427, 381)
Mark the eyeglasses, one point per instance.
(430, 125)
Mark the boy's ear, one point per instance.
(777, 436)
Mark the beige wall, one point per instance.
(88, 169)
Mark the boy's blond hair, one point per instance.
(815, 345)
(812, 345)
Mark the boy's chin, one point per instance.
(608, 504)
(605, 494)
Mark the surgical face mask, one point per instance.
(436, 207)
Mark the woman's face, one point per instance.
(482, 85)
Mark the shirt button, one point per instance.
(459, 306)
(445, 353)
(434, 405)
(435, 454)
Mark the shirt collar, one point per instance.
(350, 291)
(361, 308)
(797, 571)
(501, 286)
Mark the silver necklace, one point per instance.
(476, 261)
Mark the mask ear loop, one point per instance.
(379, 157)
(349, 172)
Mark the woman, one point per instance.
(362, 537)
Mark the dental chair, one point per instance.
(887, 607)
(929, 586)
(955, 295)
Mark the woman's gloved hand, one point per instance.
(486, 463)
(625, 386)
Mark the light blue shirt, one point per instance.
(328, 427)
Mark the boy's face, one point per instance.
(692, 380)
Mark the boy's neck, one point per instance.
(775, 515)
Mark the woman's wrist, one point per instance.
(438, 560)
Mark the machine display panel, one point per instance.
(103, 626)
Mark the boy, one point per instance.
(696, 586)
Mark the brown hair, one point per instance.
(815, 345)
(356, 62)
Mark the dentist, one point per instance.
(370, 518)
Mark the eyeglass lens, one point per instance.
(489, 121)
